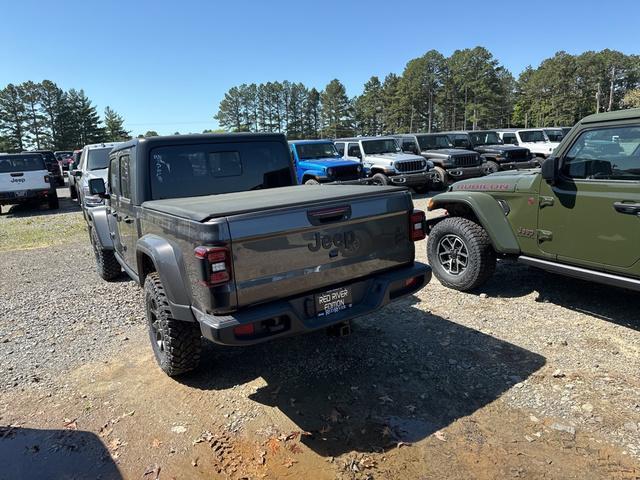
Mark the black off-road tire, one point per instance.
(176, 344)
(490, 167)
(442, 174)
(380, 179)
(481, 257)
(73, 193)
(53, 202)
(106, 264)
(311, 181)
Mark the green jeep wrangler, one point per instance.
(579, 215)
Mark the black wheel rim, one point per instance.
(490, 169)
(377, 181)
(453, 254)
(157, 332)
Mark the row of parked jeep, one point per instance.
(229, 248)
(423, 161)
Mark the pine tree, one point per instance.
(13, 117)
(229, 114)
(54, 107)
(312, 115)
(30, 95)
(87, 127)
(337, 116)
(368, 108)
(114, 126)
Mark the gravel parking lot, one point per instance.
(535, 376)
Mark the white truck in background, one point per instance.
(24, 178)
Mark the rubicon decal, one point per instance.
(483, 186)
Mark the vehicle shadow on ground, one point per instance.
(31, 210)
(601, 301)
(400, 376)
(54, 454)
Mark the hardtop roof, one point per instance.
(357, 139)
(310, 141)
(164, 140)
(627, 114)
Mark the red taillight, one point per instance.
(46, 178)
(216, 265)
(244, 330)
(411, 282)
(417, 225)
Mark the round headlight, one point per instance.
(330, 171)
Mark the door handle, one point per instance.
(126, 219)
(628, 208)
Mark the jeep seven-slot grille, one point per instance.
(346, 173)
(520, 154)
(410, 166)
(466, 160)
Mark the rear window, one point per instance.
(21, 164)
(209, 169)
(98, 158)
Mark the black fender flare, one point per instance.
(488, 212)
(100, 223)
(167, 261)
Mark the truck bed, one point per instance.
(201, 209)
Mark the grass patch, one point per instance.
(23, 233)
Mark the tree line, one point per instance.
(44, 116)
(467, 90)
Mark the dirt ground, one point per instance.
(535, 377)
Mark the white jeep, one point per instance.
(535, 139)
(24, 178)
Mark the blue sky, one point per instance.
(165, 65)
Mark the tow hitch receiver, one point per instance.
(341, 329)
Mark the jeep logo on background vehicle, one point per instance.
(17, 180)
(343, 241)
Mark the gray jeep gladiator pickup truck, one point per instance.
(227, 247)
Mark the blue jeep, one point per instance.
(317, 161)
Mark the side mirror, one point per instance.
(550, 170)
(98, 188)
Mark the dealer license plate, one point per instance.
(333, 301)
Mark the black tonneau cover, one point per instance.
(203, 208)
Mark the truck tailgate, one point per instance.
(23, 180)
(287, 251)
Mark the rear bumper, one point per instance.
(24, 196)
(297, 315)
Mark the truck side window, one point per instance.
(510, 139)
(114, 176)
(340, 148)
(605, 153)
(353, 150)
(409, 146)
(125, 178)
